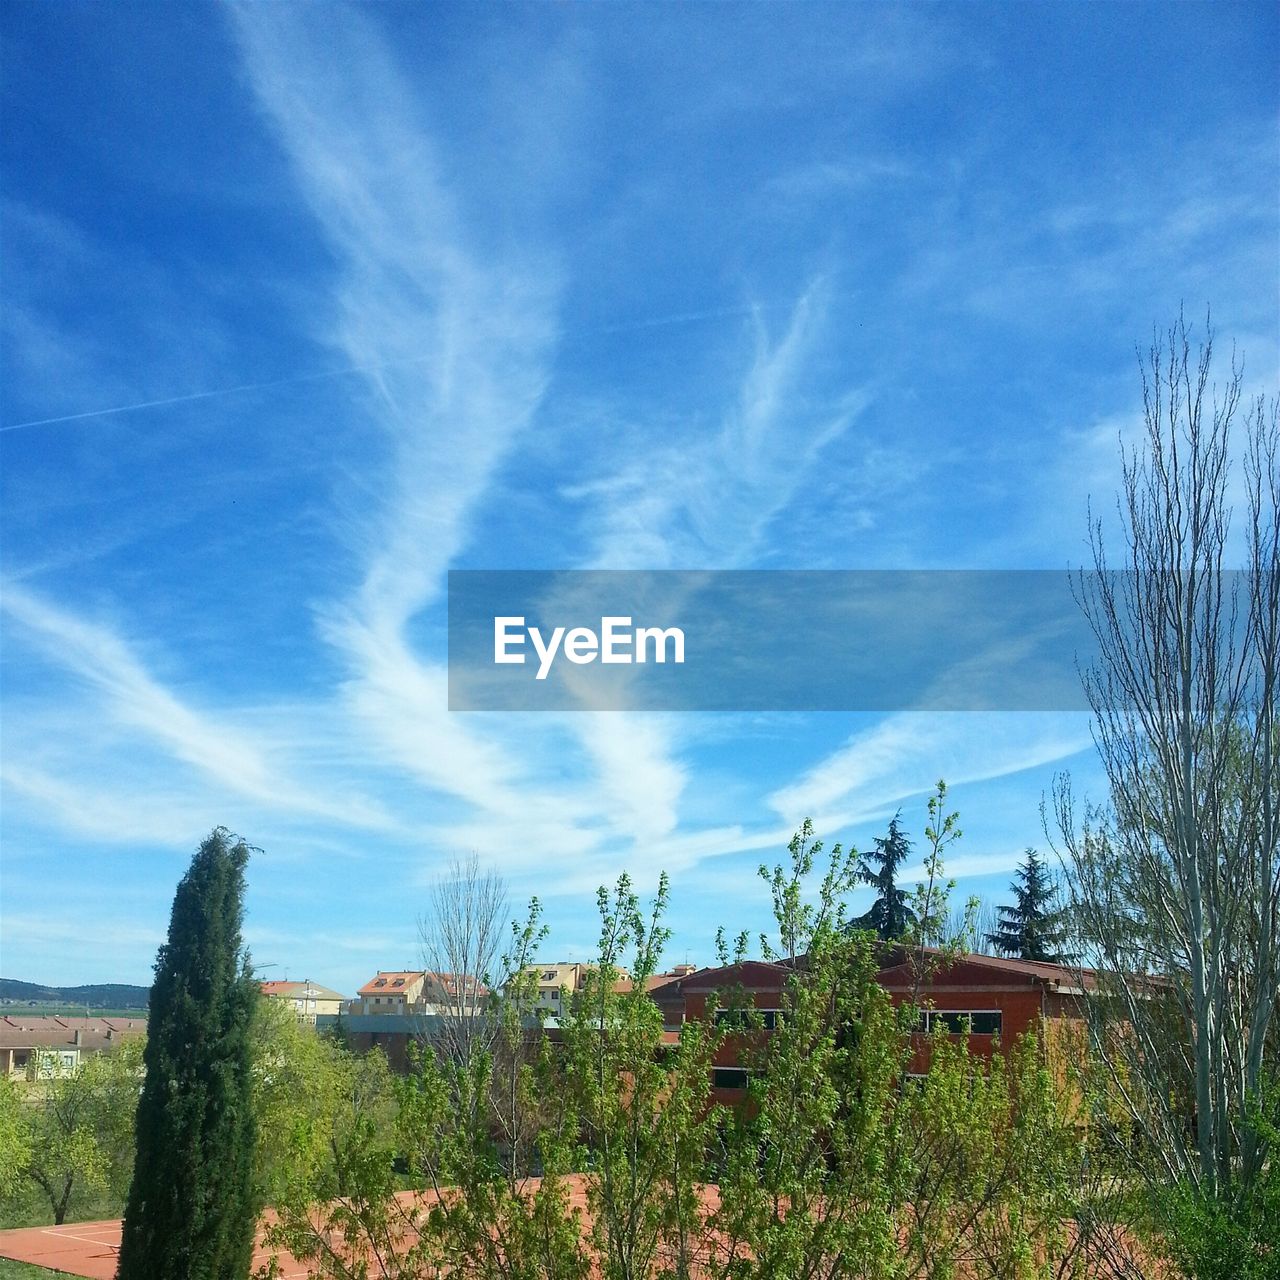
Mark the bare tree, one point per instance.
(462, 935)
(968, 925)
(1176, 881)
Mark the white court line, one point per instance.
(64, 1234)
(68, 1233)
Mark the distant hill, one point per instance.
(96, 995)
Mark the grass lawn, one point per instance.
(24, 1271)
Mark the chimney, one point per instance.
(75, 1036)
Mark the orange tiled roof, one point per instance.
(392, 982)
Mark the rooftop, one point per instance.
(18, 1031)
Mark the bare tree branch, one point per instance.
(1176, 882)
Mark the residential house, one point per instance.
(558, 984)
(418, 992)
(55, 1045)
(457, 993)
(308, 998)
(391, 991)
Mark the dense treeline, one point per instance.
(605, 1149)
(515, 1154)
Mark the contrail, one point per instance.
(625, 327)
(207, 395)
(685, 317)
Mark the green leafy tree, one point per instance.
(1034, 927)
(891, 916)
(192, 1207)
(311, 1094)
(1233, 1237)
(840, 1166)
(16, 1142)
(643, 1108)
(492, 1137)
(802, 1174)
(67, 1134)
(470, 1130)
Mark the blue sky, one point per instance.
(409, 288)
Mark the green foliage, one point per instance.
(312, 1098)
(478, 1132)
(996, 1172)
(63, 1135)
(642, 1108)
(799, 921)
(836, 1163)
(23, 1271)
(471, 1133)
(192, 1207)
(839, 1165)
(931, 898)
(1034, 927)
(803, 1167)
(1235, 1233)
(890, 915)
(16, 1141)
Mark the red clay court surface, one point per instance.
(90, 1249)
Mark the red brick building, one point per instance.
(759, 983)
(998, 1000)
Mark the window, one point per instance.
(399, 982)
(381, 982)
(728, 1078)
(980, 1022)
(768, 1018)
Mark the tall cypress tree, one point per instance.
(889, 916)
(1034, 927)
(191, 1212)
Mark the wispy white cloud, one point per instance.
(459, 344)
(707, 503)
(100, 813)
(413, 281)
(135, 699)
(905, 754)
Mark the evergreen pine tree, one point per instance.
(191, 1212)
(1034, 928)
(890, 916)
